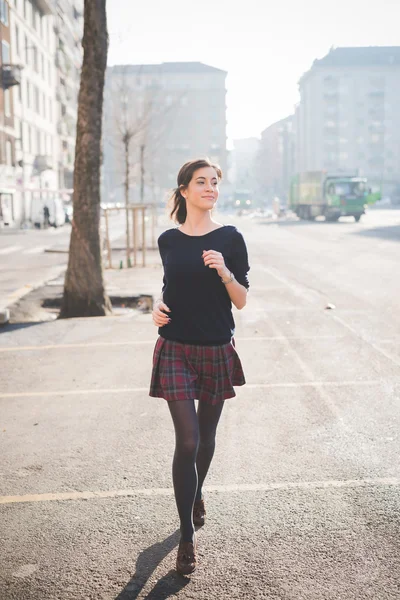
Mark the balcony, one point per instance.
(47, 7)
(10, 75)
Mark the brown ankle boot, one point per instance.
(186, 560)
(199, 513)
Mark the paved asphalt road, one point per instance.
(303, 496)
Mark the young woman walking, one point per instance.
(205, 271)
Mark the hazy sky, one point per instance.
(264, 46)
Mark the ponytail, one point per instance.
(178, 202)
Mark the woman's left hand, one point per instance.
(215, 260)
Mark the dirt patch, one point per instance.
(44, 303)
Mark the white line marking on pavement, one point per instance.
(271, 338)
(10, 249)
(245, 487)
(386, 354)
(35, 250)
(301, 384)
(74, 392)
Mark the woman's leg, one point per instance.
(208, 416)
(184, 474)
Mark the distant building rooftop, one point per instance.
(365, 56)
(168, 67)
(369, 55)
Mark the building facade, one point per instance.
(68, 31)
(33, 47)
(276, 160)
(348, 118)
(156, 117)
(242, 159)
(41, 44)
(10, 78)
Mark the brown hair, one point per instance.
(176, 200)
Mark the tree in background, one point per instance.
(84, 292)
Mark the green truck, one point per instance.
(317, 193)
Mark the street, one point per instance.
(303, 495)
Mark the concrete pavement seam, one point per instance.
(245, 487)
(289, 384)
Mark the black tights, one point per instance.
(194, 449)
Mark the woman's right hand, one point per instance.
(159, 317)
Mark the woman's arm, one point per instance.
(236, 291)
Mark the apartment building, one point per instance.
(276, 159)
(173, 112)
(33, 48)
(68, 31)
(348, 118)
(10, 79)
(41, 57)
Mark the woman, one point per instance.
(205, 271)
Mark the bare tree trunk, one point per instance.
(142, 172)
(84, 293)
(127, 175)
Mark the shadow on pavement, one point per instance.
(390, 232)
(16, 326)
(146, 564)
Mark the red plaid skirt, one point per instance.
(188, 372)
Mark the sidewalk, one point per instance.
(134, 281)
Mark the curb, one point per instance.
(26, 289)
(4, 316)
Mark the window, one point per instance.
(9, 153)
(4, 12)
(37, 103)
(43, 68)
(7, 103)
(17, 48)
(35, 59)
(5, 53)
(38, 144)
(26, 51)
(36, 20)
(28, 94)
(29, 138)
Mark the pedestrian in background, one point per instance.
(205, 271)
(46, 216)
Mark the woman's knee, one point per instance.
(189, 445)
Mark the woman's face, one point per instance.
(202, 191)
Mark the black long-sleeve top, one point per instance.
(201, 309)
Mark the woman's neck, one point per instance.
(199, 223)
